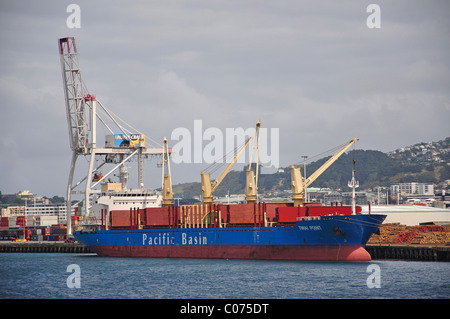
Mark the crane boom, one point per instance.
(209, 187)
(299, 184)
(74, 93)
(328, 163)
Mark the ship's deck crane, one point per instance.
(251, 178)
(299, 184)
(166, 177)
(209, 187)
(83, 110)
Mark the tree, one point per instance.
(58, 199)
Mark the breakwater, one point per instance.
(409, 252)
(42, 247)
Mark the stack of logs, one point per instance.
(415, 235)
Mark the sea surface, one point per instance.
(67, 276)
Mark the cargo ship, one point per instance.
(268, 231)
(139, 223)
(256, 230)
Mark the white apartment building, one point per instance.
(47, 210)
(412, 189)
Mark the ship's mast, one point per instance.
(82, 115)
(353, 184)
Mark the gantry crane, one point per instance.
(299, 184)
(209, 187)
(82, 114)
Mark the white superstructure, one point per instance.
(117, 201)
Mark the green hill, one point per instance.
(373, 168)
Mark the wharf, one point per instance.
(42, 247)
(409, 252)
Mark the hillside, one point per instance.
(433, 152)
(373, 168)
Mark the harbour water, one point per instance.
(67, 276)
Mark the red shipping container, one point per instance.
(59, 237)
(156, 216)
(4, 221)
(288, 214)
(331, 210)
(120, 218)
(20, 221)
(271, 209)
(241, 214)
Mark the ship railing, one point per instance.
(91, 220)
(201, 216)
(305, 218)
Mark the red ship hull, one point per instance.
(261, 252)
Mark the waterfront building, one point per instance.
(412, 189)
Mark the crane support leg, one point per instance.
(69, 193)
(88, 182)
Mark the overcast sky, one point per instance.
(312, 69)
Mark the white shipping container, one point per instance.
(47, 220)
(12, 222)
(30, 222)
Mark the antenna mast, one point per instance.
(353, 184)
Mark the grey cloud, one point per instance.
(313, 70)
